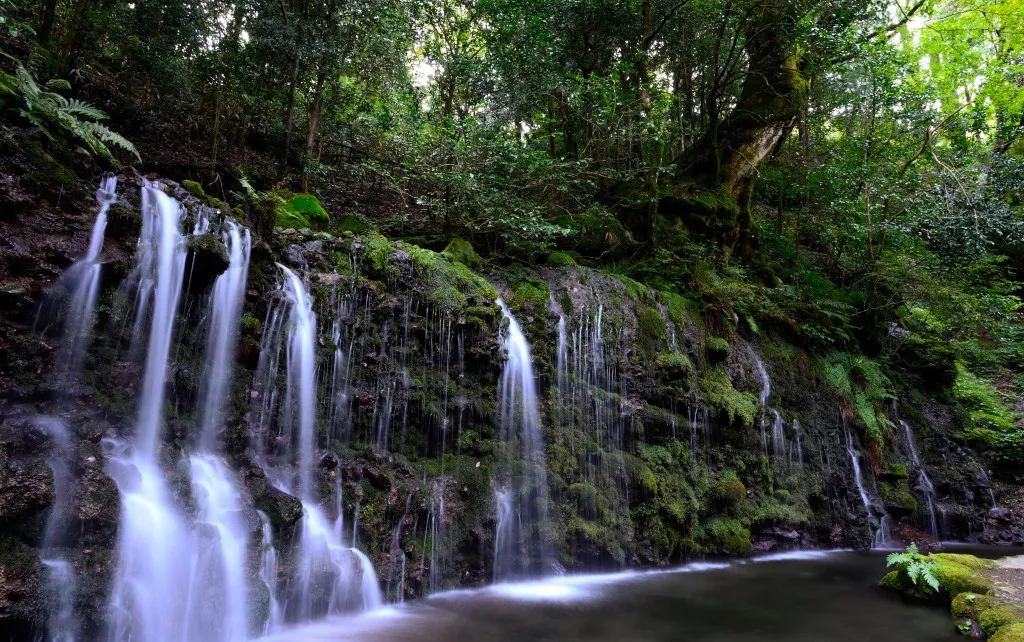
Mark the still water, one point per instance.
(819, 596)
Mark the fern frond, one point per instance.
(108, 135)
(82, 108)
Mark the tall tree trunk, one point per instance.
(289, 121)
(71, 40)
(728, 158)
(315, 111)
(49, 17)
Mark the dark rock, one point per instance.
(25, 489)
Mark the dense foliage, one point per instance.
(846, 176)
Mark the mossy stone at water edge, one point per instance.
(1012, 633)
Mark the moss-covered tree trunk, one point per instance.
(714, 179)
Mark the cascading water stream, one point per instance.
(924, 484)
(524, 546)
(268, 574)
(149, 599)
(83, 280)
(879, 528)
(766, 390)
(323, 557)
(227, 300)
(61, 583)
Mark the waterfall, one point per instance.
(924, 484)
(83, 280)
(220, 554)
(61, 583)
(778, 437)
(766, 390)
(228, 298)
(301, 395)
(323, 558)
(268, 573)
(881, 533)
(149, 597)
(519, 418)
(162, 258)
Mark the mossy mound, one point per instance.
(729, 536)
(461, 251)
(353, 223)
(1012, 633)
(717, 349)
(560, 259)
(194, 188)
(298, 211)
(731, 491)
(675, 368)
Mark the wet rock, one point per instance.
(19, 580)
(281, 509)
(207, 259)
(25, 489)
(98, 500)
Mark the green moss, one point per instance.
(717, 392)
(999, 616)
(899, 471)
(449, 285)
(717, 349)
(461, 251)
(896, 581)
(353, 223)
(955, 578)
(194, 188)
(1011, 633)
(970, 605)
(49, 172)
(729, 536)
(560, 260)
(675, 368)
(297, 210)
(897, 494)
(731, 491)
(970, 561)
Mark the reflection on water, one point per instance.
(792, 596)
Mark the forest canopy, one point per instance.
(849, 175)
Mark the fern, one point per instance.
(918, 568)
(53, 113)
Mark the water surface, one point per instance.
(807, 596)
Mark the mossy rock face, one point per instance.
(729, 404)
(717, 349)
(730, 536)
(896, 496)
(461, 251)
(595, 235)
(560, 259)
